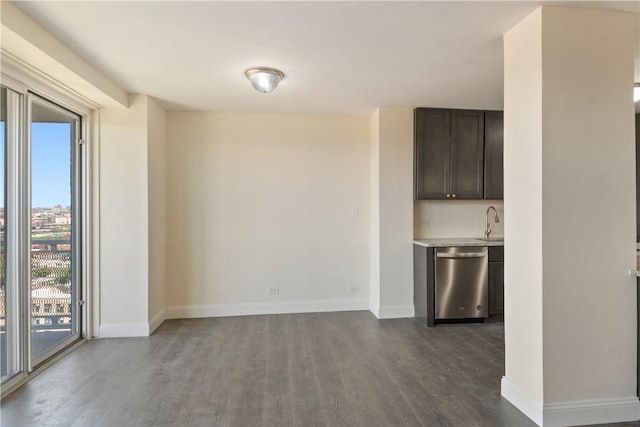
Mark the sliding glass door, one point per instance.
(54, 134)
(6, 322)
(40, 231)
(12, 301)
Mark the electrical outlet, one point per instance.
(274, 291)
(355, 212)
(354, 290)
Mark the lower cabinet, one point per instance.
(496, 281)
(496, 288)
(423, 284)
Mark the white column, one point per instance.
(374, 295)
(157, 181)
(570, 311)
(392, 213)
(124, 220)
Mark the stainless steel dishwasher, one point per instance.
(461, 283)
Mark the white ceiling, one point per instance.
(338, 57)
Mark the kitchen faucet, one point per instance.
(496, 219)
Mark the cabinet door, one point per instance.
(467, 154)
(496, 288)
(431, 145)
(423, 284)
(493, 148)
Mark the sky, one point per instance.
(50, 164)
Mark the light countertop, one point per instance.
(443, 242)
(457, 241)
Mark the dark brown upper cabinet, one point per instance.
(449, 154)
(432, 148)
(493, 157)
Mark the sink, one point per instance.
(491, 239)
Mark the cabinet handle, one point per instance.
(453, 195)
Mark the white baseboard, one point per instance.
(395, 311)
(525, 403)
(157, 320)
(375, 310)
(124, 330)
(585, 412)
(285, 307)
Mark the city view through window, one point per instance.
(52, 288)
(52, 305)
(51, 296)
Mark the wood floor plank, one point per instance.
(277, 407)
(319, 369)
(327, 373)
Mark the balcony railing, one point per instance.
(51, 305)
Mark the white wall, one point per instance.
(455, 218)
(374, 181)
(395, 214)
(157, 170)
(259, 201)
(570, 310)
(523, 206)
(124, 216)
(588, 179)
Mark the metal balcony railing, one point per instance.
(51, 305)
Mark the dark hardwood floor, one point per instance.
(326, 369)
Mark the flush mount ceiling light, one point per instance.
(264, 79)
(636, 92)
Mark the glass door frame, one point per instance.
(15, 315)
(25, 83)
(76, 226)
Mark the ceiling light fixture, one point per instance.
(264, 79)
(636, 92)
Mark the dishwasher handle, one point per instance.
(461, 255)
